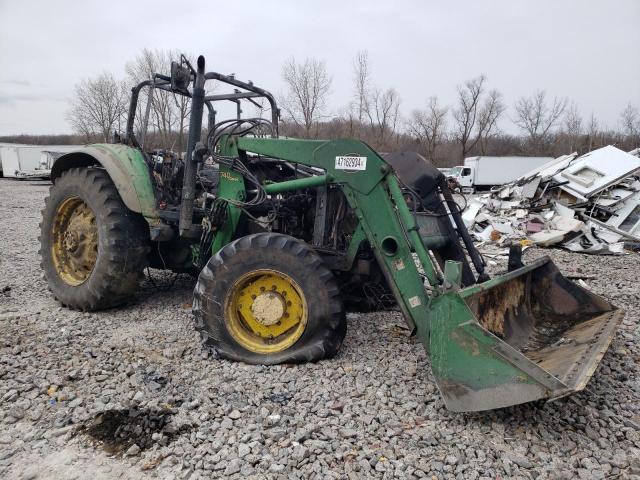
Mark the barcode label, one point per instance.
(351, 163)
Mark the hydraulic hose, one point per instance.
(478, 263)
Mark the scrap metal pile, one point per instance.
(588, 204)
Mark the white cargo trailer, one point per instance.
(30, 161)
(485, 172)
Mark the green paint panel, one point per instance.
(470, 374)
(231, 186)
(298, 184)
(126, 168)
(322, 154)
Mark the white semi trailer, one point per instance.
(479, 173)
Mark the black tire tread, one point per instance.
(323, 343)
(123, 248)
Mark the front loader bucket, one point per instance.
(529, 334)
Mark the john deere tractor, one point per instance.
(287, 234)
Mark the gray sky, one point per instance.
(584, 49)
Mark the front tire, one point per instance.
(266, 299)
(93, 249)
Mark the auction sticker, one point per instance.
(351, 162)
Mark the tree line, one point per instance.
(446, 134)
(443, 133)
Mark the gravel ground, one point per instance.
(129, 393)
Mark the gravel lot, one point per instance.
(129, 393)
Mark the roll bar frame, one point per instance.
(163, 82)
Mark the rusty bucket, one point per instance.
(529, 334)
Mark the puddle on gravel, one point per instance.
(117, 430)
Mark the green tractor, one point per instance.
(286, 235)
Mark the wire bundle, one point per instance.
(257, 126)
(234, 164)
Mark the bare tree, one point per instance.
(98, 107)
(169, 112)
(573, 126)
(362, 87)
(308, 86)
(466, 114)
(492, 109)
(347, 122)
(477, 114)
(537, 118)
(593, 130)
(383, 114)
(429, 126)
(630, 120)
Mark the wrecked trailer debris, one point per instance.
(587, 204)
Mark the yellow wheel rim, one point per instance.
(75, 241)
(265, 311)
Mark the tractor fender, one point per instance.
(126, 168)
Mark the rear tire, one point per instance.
(93, 249)
(296, 271)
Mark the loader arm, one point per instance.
(526, 335)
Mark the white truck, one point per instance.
(479, 173)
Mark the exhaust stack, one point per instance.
(190, 167)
